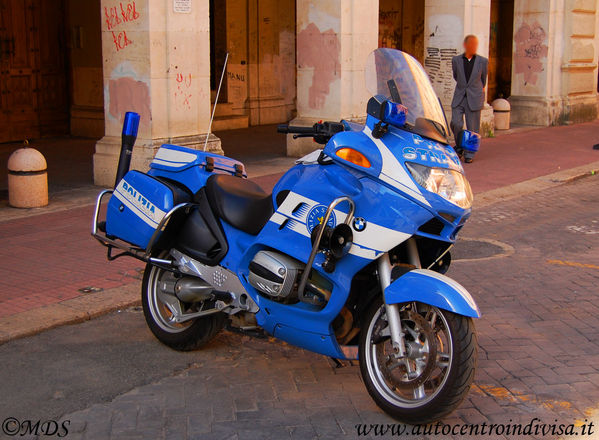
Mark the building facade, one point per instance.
(74, 67)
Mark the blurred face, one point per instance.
(471, 46)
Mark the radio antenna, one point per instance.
(222, 76)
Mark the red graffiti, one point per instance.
(320, 50)
(120, 40)
(530, 51)
(129, 13)
(185, 79)
(111, 17)
(116, 15)
(182, 95)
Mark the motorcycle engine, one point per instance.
(275, 274)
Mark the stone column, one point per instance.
(446, 23)
(157, 63)
(334, 38)
(554, 70)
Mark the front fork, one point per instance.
(392, 310)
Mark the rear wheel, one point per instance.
(437, 370)
(159, 309)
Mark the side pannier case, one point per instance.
(137, 205)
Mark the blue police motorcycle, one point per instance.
(345, 258)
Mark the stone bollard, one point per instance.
(27, 179)
(501, 113)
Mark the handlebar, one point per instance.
(284, 128)
(321, 132)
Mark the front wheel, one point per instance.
(435, 374)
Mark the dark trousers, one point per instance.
(457, 118)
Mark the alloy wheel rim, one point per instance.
(163, 306)
(390, 375)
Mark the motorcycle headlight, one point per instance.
(449, 184)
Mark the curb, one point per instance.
(93, 305)
(72, 311)
(537, 184)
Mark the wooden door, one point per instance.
(19, 70)
(32, 69)
(52, 72)
(4, 53)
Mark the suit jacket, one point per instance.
(473, 89)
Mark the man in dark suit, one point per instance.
(470, 73)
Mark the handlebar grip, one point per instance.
(302, 130)
(299, 130)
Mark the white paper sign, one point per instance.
(182, 6)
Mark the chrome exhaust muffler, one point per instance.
(191, 289)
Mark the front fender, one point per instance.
(429, 287)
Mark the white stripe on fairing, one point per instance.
(392, 172)
(291, 201)
(451, 282)
(277, 218)
(175, 155)
(369, 254)
(169, 164)
(379, 237)
(369, 243)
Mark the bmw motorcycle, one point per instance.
(345, 258)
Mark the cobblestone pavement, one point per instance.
(538, 357)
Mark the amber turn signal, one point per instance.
(353, 156)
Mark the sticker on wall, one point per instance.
(182, 6)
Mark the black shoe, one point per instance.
(468, 160)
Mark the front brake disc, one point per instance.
(422, 326)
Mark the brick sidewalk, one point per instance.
(48, 257)
(520, 156)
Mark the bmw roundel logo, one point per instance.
(359, 224)
(316, 217)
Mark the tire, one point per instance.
(457, 375)
(186, 336)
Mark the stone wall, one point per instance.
(554, 78)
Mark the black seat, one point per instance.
(239, 202)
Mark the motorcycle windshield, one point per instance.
(393, 75)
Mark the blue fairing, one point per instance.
(432, 288)
(388, 157)
(391, 219)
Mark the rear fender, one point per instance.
(429, 287)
